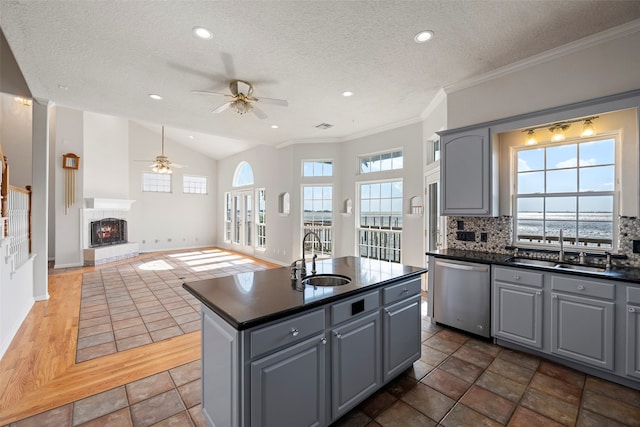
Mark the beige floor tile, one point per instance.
(551, 407)
(430, 402)
(446, 383)
(462, 415)
(488, 404)
(402, 415)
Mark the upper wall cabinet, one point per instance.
(468, 173)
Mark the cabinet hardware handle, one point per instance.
(405, 290)
(294, 332)
(632, 310)
(554, 296)
(538, 292)
(386, 310)
(581, 287)
(338, 335)
(516, 277)
(323, 340)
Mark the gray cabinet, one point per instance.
(356, 362)
(517, 306)
(401, 327)
(632, 318)
(468, 174)
(582, 320)
(288, 387)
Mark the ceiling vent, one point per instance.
(324, 126)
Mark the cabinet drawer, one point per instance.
(354, 306)
(401, 290)
(286, 332)
(519, 276)
(633, 295)
(581, 286)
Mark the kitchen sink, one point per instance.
(326, 280)
(529, 261)
(577, 267)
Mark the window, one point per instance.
(380, 224)
(261, 220)
(243, 175)
(227, 217)
(318, 217)
(156, 182)
(194, 184)
(569, 187)
(317, 168)
(381, 162)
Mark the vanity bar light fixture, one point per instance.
(558, 129)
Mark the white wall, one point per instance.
(163, 221)
(604, 69)
(15, 138)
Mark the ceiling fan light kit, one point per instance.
(243, 99)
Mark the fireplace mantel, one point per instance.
(108, 204)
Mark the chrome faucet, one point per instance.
(313, 261)
(561, 253)
(298, 273)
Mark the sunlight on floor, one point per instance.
(157, 265)
(211, 259)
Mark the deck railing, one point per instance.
(16, 216)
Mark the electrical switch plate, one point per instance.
(460, 225)
(483, 237)
(636, 246)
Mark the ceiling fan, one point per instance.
(243, 100)
(162, 164)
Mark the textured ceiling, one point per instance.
(107, 56)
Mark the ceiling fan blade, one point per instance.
(221, 108)
(178, 165)
(273, 101)
(207, 92)
(233, 87)
(258, 112)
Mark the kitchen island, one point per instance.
(273, 355)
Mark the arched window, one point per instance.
(243, 175)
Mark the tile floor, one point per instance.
(458, 381)
(141, 302)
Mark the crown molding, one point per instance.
(569, 48)
(440, 96)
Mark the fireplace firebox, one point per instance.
(108, 231)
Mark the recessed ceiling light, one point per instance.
(347, 93)
(191, 137)
(154, 96)
(63, 87)
(202, 33)
(274, 126)
(423, 36)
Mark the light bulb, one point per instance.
(531, 138)
(557, 132)
(588, 129)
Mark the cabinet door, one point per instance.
(633, 341)
(288, 387)
(356, 362)
(401, 336)
(517, 314)
(582, 329)
(466, 175)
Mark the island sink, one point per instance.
(326, 280)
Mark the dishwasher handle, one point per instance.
(462, 266)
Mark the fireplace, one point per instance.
(108, 231)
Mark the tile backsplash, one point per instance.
(469, 232)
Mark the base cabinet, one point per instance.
(311, 368)
(400, 328)
(356, 361)
(288, 387)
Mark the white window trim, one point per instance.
(333, 213)
(302, 162)
(376, 153)
(144, 174)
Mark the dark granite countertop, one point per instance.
(625, 274)
(249, 299)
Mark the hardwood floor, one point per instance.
(38, 372)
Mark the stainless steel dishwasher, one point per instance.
(462, 296)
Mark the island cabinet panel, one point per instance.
(401, 326)
(517, 306)
(356, 356)
(467, 175)
(288, 387)
(220, 364)
(633, 332)
(582, 322)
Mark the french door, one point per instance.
(242, 220)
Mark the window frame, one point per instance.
(614, 194)
(398, 231)
(322, 161)
(371, 158)
(157, 177)
(206, 184)
(260, 220)
(325, 232)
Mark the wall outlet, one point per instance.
(483, 237)
(636, 246)
(460, 225)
